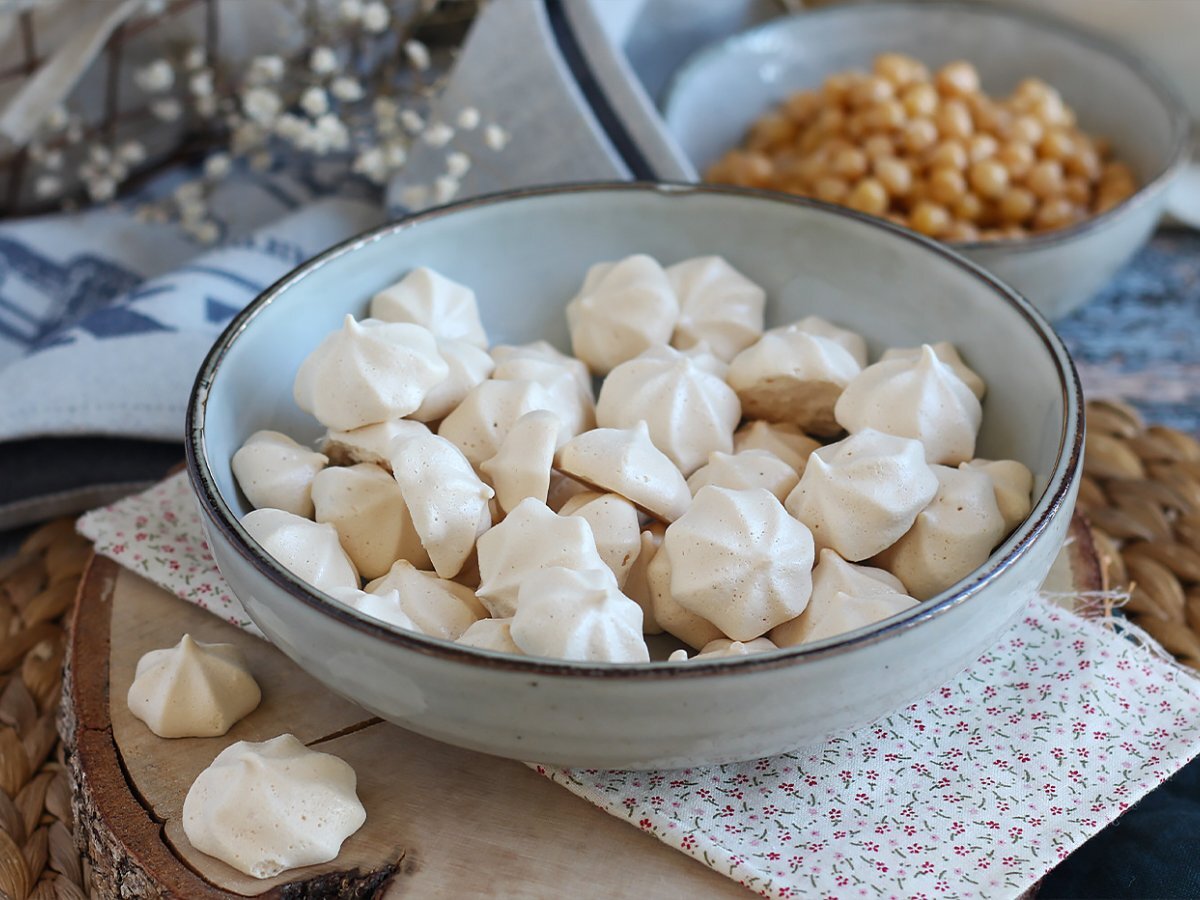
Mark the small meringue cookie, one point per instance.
(274, 471)
(579, 615)
(625, 461)
(366, 506)
(748, 469)
(468, 367)
(740, 561)
(193, 689)
(1014, 488)
(566, 397)
(382, 605)
(637, 582)
(447, 501)
(530, 538)
(845, 597)
(546, 352)
(371, 443)
(701, 354)
(915, 397)
(786, 441)
(623, 308)
(425, 297)
(852, 341)
(491, 634)
(947, 353)
(439, 608)
(615, 527)
(308, 550)
(368, 372)
(717, 304)
(693, 630)
(724, 648)
(481, 422)
(689, 411)
(860, 495)
(562, 489)
(793, 376)
(271, 806)
(953, 535)
(521, 467)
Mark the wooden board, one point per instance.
(440, 821)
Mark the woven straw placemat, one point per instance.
(1140, 491)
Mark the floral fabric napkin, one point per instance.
(976, 790)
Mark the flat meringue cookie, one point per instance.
(425, 297)
(371, 443)
(915, 397)
(852, 341)
(637, 582)
(368, 372)
(724, 648)
(793, 376)
(447, 500)
(845, 597)
(439, 608)
(468, 366)
(689, 411)
(267, 807)
(521, 467)
(544, 351)
(382, 605)
(953, 535)
(481, 422)
(366, 506)
(491, 634)
(566, 397)
(623, 308)
(786, 441)
(740, 561)
(947, 353)
(562, 489)
(615, 527)
(860, 495)
(1014, 488)
(274, 471)
(748, 469)
(625, 461)
(578, 615)
(530, 538)
(193, 689)
(309, 550)
(669, 616)
(717, 305)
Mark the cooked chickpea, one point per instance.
(837, 86)
(1084, 161)
(1017, 204)
(752, 170)
(981, 147)
(802, 106)
(1027, 129)
(899, 69)
(871, 91)
(1054, 213)
(869, 196)
(830, 120)
(989, 178)
(878, 146)
(850, 164)
(1050, 110)
(771, 131)
(929, 219)
(969, 208)
(957, 79)
(961, 231)
(1077, 189)
(946, 186)
(886, 116)
(953, 120)
(919, 134)
(894, 175)
(1116, 173)
(949, 154)
(1056, 144)
(920, 100)
(1045, 179)
(831, 189)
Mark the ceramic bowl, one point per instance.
(719, 92)
(525, 254)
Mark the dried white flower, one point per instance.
(52, 159)
(314, 101)
(189, 192)
(290, 127)
(438, 134)
(100, 155)
(155, 77)
(415, 196)
(262, 161)
(375, 17)
(495, 137)
(206, 106)
(217, 166)
(205, 232)
(346, 88)
(74, 132)
(166, 110)
(261, 104)
(57, 118)
(411, 120)
(132, 153)
(201, 83)
(246, 136)
(101, 188)
(468, 118)
(118, 170)
(418, 55)
(265, 69)
(47, 186)
(373, 164)
(444, 189)
(384, 109)
(332, 132)
(323, 61)
(396, 153)
(195, 58)
(457, 164)
(350, 10)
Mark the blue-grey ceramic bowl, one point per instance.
(719, 92)
(525, 254)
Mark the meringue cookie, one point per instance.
(530, 538)
(947, 353)
(786, 441)
(193, 689)
(447, 501)
(845, 597)
(310, 551)
(382, 605)
(578, 614)
(717, 304)
(748, 469)
(860, 495)
(274, 471)
(723, 648)
(424, 297)
(481, 422)
(852, 341)
(917, 397)
(623, 308)
(701, 354)
(1014, 488)
(615, 527)
(626, 462)
(566, 397)
(953, 535)
(438, 608)
(366, 506)
(468, 366)
(521, 467)
(368, 372)
(562, 489)
(271, 806)
(689, 411)
(793, 376)
(546, 352)
(491, 634)
(740, 561)
(371, 443)
(693, 630)
(637, 582)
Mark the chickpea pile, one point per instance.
(934, 154)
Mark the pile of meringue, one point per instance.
(487, 496)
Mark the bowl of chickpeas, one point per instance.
(1039, 150)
